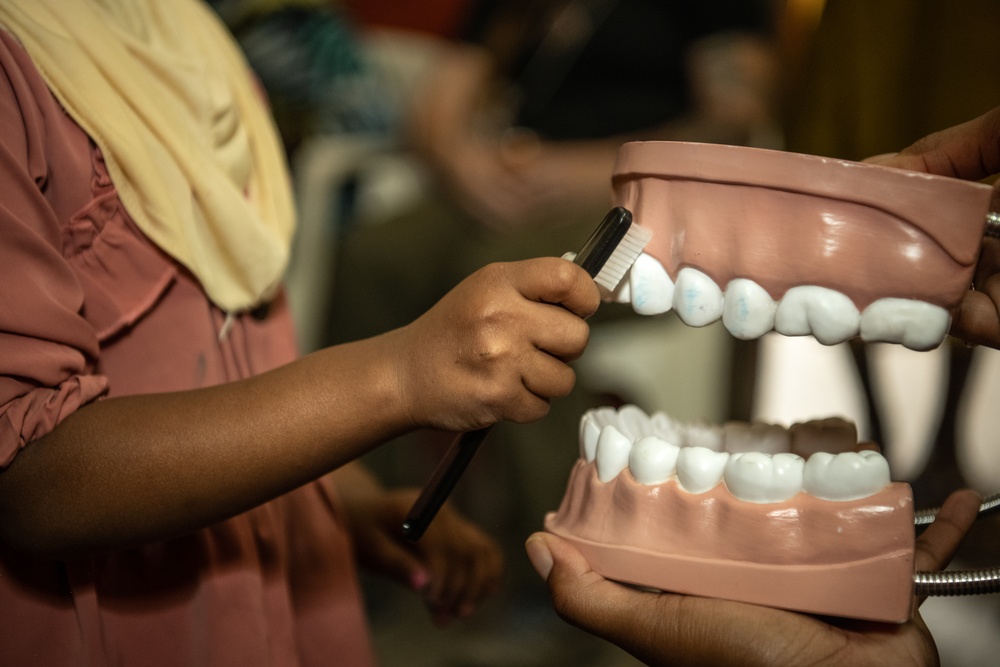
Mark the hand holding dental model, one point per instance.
(677, 630)
(796, 519)
(968, 151)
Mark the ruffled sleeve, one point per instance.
(48, 350)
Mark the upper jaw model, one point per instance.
(802, 518)
(770, 240)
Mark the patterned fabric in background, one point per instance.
(309, 59)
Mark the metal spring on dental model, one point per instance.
(957, 582)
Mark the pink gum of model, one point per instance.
(839, 558)
(785, 219)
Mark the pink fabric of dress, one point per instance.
(90, 308)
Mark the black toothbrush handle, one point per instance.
(446, 476)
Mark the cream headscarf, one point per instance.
(164, 91)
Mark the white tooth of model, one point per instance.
(700, 469)
(832, 435)
(697, 299)
(709, 436)
(590, 431)
(666, 428)
(761, 478)
(747, 309)
(755, 437)
(613, 449)
(831, 317)
(651, 291)
(634, 422)
(652, 460)
(918, 325)
(846, 476)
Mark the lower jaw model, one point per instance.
(803, 518)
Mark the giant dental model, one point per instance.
(799, 244)
(803, 518)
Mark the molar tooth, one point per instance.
(918, 325)
(832, 435)
(699, 469)
(653, 460)
(613, 449)
(845, 476)
(697, 299)
(651, 291)
(634, 422)
(747, 309)
(831, 317)
(709, 436)
(762, 478)
(589, 434)
(755, 437)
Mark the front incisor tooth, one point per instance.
(697, 299)
(846, 476)
(613, 449)
(590, 429)
(589, 433)
(652, 460)
(651, 291)
(700, 469)
(747, 309)
(831, 317)
(761, 478)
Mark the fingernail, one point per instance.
(419, 579)
(539, 555)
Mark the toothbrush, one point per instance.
(606, 257)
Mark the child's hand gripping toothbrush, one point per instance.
(606, 257)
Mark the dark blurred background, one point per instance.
(398, 117)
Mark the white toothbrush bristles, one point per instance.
(623, 257)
